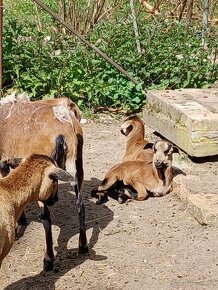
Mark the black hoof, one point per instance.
(102, 199)
(16, 237)
(48, 265)
(93, 193)
(83, 249)
(122, 199)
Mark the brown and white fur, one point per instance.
(35, 179)
(33, 127)
(141, 177)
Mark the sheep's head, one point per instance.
(163, 152)
(46, 175)
(130, 124)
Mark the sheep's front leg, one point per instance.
(140, 189)
(48, 262)
(101, 190)
(101, 196)
(22, 221)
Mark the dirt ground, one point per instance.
(149, 245)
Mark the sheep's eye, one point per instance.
(166, 151)
(155, 150)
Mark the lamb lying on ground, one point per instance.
(139, 176)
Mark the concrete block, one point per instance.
(186, 117)
(200, 204)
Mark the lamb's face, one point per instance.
(163, 153)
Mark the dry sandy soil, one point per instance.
(154, 244)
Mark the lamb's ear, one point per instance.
(127, 130)
(60, 174)
(176, 150)
(148, 146)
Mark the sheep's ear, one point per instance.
(60, 174)
(148, 146)
(127, 130)
(176, 150)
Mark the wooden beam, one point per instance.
(92, 46)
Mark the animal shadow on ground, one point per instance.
(64, 215)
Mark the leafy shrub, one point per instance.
(46, 63)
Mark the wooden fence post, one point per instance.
(135, 27)
(204, 21)
(1, 46)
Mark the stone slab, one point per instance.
(202, 205)
(186, 117)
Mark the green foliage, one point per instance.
(172, 58)
(172, 54)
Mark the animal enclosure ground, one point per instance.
(149, 245)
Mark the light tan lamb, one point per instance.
(140, 177)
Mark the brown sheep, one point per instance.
(35, 179)
(40, 127)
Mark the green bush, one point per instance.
(172, 58)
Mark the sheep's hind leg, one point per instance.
(48, 262)
(83, 244)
